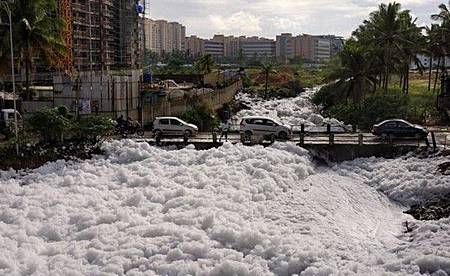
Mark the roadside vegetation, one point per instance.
(52, 134)
(372, 81)
(272, 80)
(202, 116)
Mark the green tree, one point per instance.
(435, 50)
(267, 69)
(37, 34)
(442, 37)
(383, 32)
(241, 57)
(95, 128)
(204, 64)
(413, 44)
(354, 74)
(51, 124)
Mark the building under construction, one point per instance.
(102, 35)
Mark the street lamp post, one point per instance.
(5, 6)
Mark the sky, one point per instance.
(268, 18)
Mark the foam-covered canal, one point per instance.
(235, 210)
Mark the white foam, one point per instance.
(230, 211)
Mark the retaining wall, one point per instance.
(168, 106)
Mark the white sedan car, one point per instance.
(265, 126)
(172, 126)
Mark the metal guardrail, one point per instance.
(297, 129)
(301, 139)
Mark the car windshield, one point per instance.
(183, 122)
(277, 122)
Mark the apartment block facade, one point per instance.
(230, 46)
(194, 46)
(313, 49)
(257, 47)
(162, 36)
(102, 34)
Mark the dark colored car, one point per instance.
(399, 128)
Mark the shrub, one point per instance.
(51, 124)
(374, 109)
(326, 96)
(380, 107)
(95, 128)
(247, 82)
(346, 112)
(203, 116)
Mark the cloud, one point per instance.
(286, 24)
(240, 22)
(270, 17)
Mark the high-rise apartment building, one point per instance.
(163, 36)
(336, 43)
(257, 47)
(103, 34)
(311, 48)
(194, 46)
(230, 46)
(322, 50)
(285, 46)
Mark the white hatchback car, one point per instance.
(172, 126)
(265, 126)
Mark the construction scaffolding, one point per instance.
(103, 35)
(65, 12)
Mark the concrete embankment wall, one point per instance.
(177, 106)
(340, 153)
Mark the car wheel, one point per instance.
(248, 134)
(188, 133)
(282, 136)
(157, 133)
(140, 132)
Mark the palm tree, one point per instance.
(266, 70)
(413, 44)
(384, 30)
(434, 49)
(355, 73)
(37, 35)
(443, 36)
(443, 16)
(392, 34)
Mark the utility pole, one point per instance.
(90, 52)
(13, 76)
(141, 96)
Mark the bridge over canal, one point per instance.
(332, 147)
